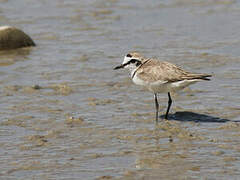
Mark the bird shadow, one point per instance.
(195, 117)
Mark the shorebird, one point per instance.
(159, 76)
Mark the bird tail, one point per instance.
(198, 76)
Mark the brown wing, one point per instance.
(154, 70)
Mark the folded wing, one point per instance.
(155, 70)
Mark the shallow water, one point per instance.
(65, 114)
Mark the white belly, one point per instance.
(164, 86)
(154, 87)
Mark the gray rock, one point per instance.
(12, 38)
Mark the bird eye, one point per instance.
(129, 55)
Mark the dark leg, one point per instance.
(157, 107)
(169, 105)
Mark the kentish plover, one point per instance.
(159, 76)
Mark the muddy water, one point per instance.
(65, 114)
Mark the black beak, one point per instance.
(119, 67)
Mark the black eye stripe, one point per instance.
(133, 61)
(129, 55)
(138, 63)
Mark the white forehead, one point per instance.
(126, 59)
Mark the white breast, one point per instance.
(139, 81)
(158, 86)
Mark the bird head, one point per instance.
(131, 61)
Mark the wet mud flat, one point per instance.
(172, 149)
(65, 114)
(187, 146)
